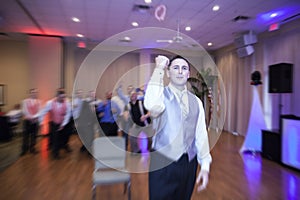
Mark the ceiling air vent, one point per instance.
(240, 18)
(141, 8)
(125, 40)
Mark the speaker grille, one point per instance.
(281, 78)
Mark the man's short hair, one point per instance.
(32, 90)
(60, 91)
(177, 57)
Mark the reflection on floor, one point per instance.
(9, 152)
(233, 175)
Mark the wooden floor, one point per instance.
(233, 176)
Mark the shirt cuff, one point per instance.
(205, 162)
(205, 166)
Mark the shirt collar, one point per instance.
(178, 93)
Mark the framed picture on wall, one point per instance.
(1, 94)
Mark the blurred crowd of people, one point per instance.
(118, 115)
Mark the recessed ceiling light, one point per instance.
(273, 15)
(209, 44)
(148, 1)
(188, 28)
(75, 19)
(135, 24)
(127, 38)
(216, 8)
(80, 35)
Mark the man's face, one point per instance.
(179, 72)
(79, 94)
(61, 98)
(93, 94)
(108, 95)
(129, 89)
(133, 96)
(33, 94)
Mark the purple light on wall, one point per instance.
(278, 15)
(271, 15)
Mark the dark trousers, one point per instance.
(176, 181)
(71, 126)
(109, 129)
(68, 130)
(29, 135)
(125, 135)
(57, 138)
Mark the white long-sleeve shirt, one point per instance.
(77, 105)
(26, 112)
(154, 102)
(48, 107)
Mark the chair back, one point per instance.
(109, 152)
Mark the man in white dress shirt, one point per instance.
(30, 107)
(77, 104)
(60, 113)
(181, 140)
(76, 109)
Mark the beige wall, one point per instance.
(69, 68)
(45, 59)
(14, 71)
(34, 62)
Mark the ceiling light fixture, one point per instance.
(209, 44)
(188, 28)
(127, 38)
(75, 19)
(80, 35)
(216, 8)
(148, 1)
(273, 15)
(135, 24)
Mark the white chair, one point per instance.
(110, 155)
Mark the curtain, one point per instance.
(271, 48)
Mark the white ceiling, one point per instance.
(101, 19)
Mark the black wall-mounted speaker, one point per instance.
(281, 78)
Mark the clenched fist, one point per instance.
(161, 62)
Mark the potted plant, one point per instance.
(202, 87)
